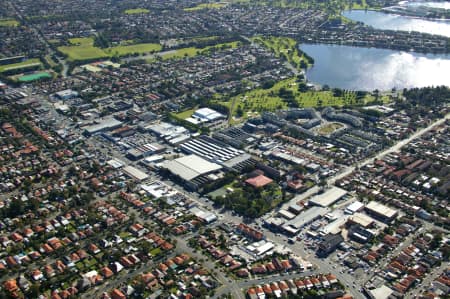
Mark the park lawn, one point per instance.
(136, 11)
(81, 41)
(180, 53)
(205, 6)
(201, 39)
(283, 47)
(131, 49)
(9, 23)
(83, 52)
(193, 51)
(25, 63)
(259, 100)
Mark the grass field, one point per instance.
(136, 11)
(185, 114)
(206, 6)
(258, 100)
(283, 47)
(23, 64)
(81, 41)
(83, 49)
(130, 49)
(8, 23)
(83, 52)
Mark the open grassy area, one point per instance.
(193, 51)
(206, 6)
(136, 11)
(23, 64)
(83, 52)
(284, 47)
(131, 49)
(84, 49)
(185, 114)
(9, 23)
(81, 41)
(258, 100)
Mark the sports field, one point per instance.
(34, 77)
(19, 65)
(84, 49)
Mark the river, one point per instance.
(368, 69)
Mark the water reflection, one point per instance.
(369, 68)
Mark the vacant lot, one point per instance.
(136, 11)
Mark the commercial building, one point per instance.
(206, 117)
(192, 170)
(329, 244)
(381, 212)
(293, 226)
(105, 124)
(204, 216)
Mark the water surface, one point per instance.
(370, 68)
(381, 20)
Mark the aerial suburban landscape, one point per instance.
(224, 149)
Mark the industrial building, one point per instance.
(354, 207)
(145, 150)
(170, 133)
(218, 152)
(66, 94)
(193, 170)
(135, 173)
(328, 198)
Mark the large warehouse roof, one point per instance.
(190, 167)
(135, 173)
(328, 198)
